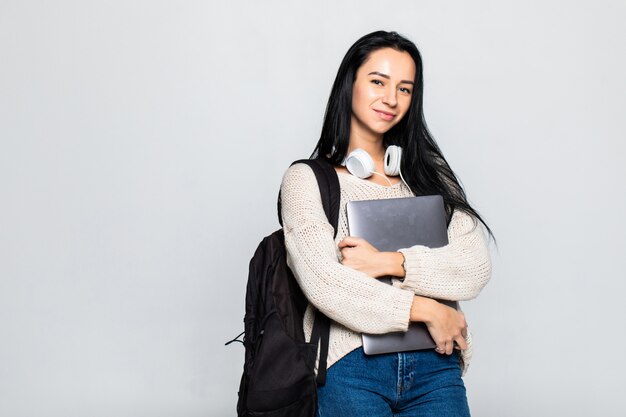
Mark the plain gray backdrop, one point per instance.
(142, 148)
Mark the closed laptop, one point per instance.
(392, 224)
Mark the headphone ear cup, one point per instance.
(393, 159)
(360, 164)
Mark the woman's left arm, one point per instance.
(456, 271)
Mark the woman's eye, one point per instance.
(405, 90)
(377, 82)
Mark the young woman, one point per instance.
(376, 102)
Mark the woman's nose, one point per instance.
(389, 97)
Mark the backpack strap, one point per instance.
(328, 183)
(326, 174)
(321, 333)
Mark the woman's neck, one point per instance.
(370, 142)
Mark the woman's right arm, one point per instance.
(345, 295)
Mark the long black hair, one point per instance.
(423, 166)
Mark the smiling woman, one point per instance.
(374, 119)
(381, 95)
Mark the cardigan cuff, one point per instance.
(401, 311)
(412, 266)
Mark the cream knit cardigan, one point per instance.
(355, 302)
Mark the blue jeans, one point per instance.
(421, 383)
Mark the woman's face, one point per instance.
(381, 93)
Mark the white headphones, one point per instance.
(360, 164)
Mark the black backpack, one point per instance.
(279, 370)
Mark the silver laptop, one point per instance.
(392, 224)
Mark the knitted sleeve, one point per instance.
(456, 271)
(349, 297)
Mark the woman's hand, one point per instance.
(446, 325)
(359, 254)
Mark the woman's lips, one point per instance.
(384, 115)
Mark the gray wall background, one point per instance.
(143, 144)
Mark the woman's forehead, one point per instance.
(391, 62)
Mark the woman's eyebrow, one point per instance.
(388, 77)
